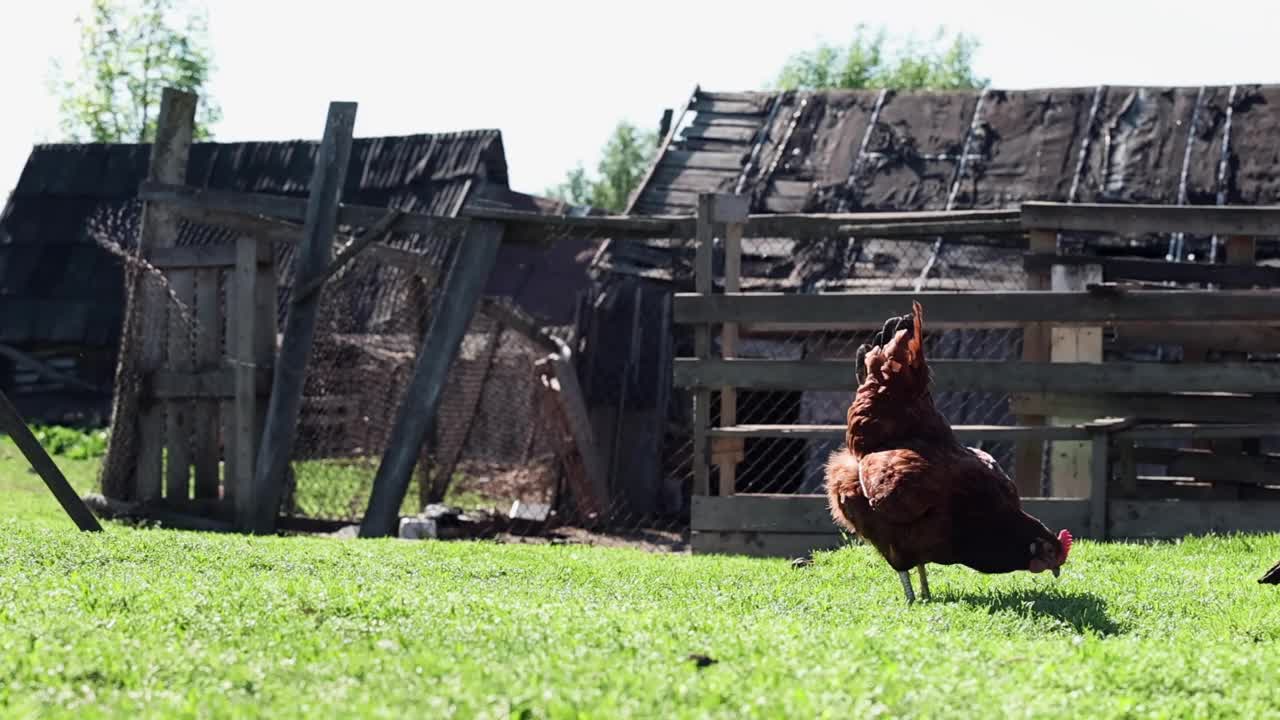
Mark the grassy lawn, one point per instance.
(156, 623)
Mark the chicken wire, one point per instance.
(491, 443)
(497, 438)
(789, 465)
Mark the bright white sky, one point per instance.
(556, 75)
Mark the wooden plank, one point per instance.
(1231, 276)
(762, 513)
(13, 425)
(819, 225)
(1194, 431)
(709, 105)
(703, 281)
(1198, 407)
(1071, 463)
(193, 257)
(1140, 219)
(216, 384)
(695, 180)
(180, 411)
(726, 133)
(1163, 519)
(1209, 466)
(321, 218)
(1228, 337)
(464, 283)
(208, 357)
(990, 375)
(966, 433)
(574, 404)
(1133, 519)
(982, 309)
(686, 159)
(790, 525)
(762, 545)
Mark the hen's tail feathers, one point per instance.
(915, 346)
(1272, 577)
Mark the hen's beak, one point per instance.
(1055, 571)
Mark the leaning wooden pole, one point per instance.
(133, 466)
(463, 285)
(14, 426)
(256, 510)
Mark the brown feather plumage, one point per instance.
(906, 485)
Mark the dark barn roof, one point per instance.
(866, 151)
(59, 286)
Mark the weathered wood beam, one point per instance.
(966, 433)
(1139, 219)
(1209, 466)
(134, 465)
(990, 375)
(463, 285)
(12, 424)
(1198, 407)
(321, 217)
(981, 309)
(1231, 276)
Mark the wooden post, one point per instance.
(208, 358)
(702, 270)
(1029, 454)
(133, 466)
(180, 412)
(1099, 477)
(1240, 250)
(1071, 463)
(732, 211)
(459, 296)
(12, 424)
(241, 331)
(332, 158)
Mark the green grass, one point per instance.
(156, 623)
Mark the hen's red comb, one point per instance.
(1064, 537)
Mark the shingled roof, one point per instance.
(59, 286)
(866, 151)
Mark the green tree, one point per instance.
(129, 51)
(623, 162)
(867, 63)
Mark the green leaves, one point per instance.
(623, 162)
(130, 50)
(865, 64)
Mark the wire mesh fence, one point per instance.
(499, 437)
(792, 465)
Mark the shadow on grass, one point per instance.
(1083, 611)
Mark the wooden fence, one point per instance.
(1095, 413)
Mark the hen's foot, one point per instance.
(905, 577)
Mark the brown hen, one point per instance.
(905, 484)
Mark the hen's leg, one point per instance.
(924, 583)
(905, 577)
